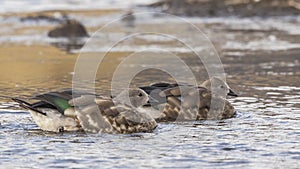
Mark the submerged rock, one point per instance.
(69, 29)
(242, 8)
(129, 19)
(41, 17)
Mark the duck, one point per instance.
(214, 84)
(182, 102)
(70, 110)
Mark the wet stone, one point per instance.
(69, 29)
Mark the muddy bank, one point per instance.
(241, 8)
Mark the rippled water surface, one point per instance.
(264, 134)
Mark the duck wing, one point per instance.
(184, 102)
(109, 117)
(27, 105)
(58, 100)
(65, 99)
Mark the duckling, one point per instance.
(76, 111)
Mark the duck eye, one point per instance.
(222, 87)
(61, 129)
(140, 94)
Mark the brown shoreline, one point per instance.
(86, 12)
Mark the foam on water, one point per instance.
(139, 48)
(272, 42)
(279, 88)
(41, 5)
(262, 44)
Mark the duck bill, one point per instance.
(232, 93)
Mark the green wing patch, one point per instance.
(58, 100)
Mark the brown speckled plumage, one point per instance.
(74, 111)
(195, 104)
(183, 102)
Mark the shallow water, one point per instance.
(264, 134)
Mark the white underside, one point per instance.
(54, 121)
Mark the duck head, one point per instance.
(218, 86)
(133, 96)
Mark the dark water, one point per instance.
(264, 134)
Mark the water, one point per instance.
(262, 66)
(37, 5)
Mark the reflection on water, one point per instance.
(264, 134)
(265, 129)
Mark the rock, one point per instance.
(129, 19)
(69, 29)
(239, 8)
(69, 45)
(41, 18)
